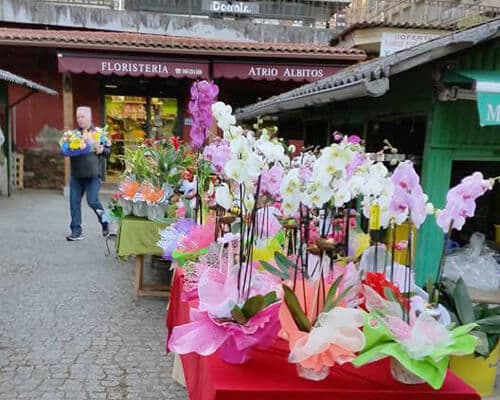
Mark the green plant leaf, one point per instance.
(482, 347)
(275, 271)
(490, 324)
(338, 299)
(296, 311)
(480, 311)
(270, 298)
(492, 342)
(283, 262)
(253, 305)
(463, 303)
(238, 315)
(333, 290)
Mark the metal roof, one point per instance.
(12, 78)
(370, 78)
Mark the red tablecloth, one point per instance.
(269, 376)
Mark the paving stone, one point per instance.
(71, 328)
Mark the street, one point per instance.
(69, 326)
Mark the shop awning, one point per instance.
(132, 66)
(486, 85)
(272, 72)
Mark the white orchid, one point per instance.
(233, 132)
(223, 114)
(223, 196)
(237, 170)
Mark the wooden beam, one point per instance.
(68, 117)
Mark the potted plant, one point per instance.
(479, 369)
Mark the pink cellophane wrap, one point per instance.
(206, 335)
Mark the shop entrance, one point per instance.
(136, 110)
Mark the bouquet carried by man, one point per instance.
(83, 141)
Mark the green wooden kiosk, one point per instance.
(427, 101)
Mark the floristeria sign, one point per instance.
(132, 67)
(271, 72)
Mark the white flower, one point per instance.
(237, 170)
(240, 148)
(248, 202)
(429, 208)
(255, 165)
(223, 196)
(342, 193)
(223, 115)
(233, 132)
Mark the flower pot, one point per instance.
(126, 206)
(156, 211)
(140, 209)
(401, 374)
(478, 372)
(311, 374)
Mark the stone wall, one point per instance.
(39, 13)
(43, 169)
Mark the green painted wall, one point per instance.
(453, 134)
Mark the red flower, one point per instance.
(174, 141)
(378, 282)
(188, 175)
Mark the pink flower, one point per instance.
(408, 197)
(203, 94)
(271, 181)
(354, 139)
(460, 201)
(218, 154)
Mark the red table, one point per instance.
(269, 376)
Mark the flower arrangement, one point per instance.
(153, 173)
(279, 253)
(76, 142)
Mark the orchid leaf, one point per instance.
(482, 347)
(238, 315)
(490, 324)
(283, 262)
(463, 303)
(298, 315)
(270, 298)
(340, 297)
(333, 291)
(253, 305)
(273, 270)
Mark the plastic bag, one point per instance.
(475, 263)
(383, 262)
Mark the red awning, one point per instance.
(272, 72)
(133, 66)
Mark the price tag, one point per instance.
(374, 217)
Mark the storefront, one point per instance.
(139, 84)
(449, 126)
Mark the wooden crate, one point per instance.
(20, 171)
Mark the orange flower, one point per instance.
(150, 193)
(129, 187)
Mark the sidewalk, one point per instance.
(69, 327)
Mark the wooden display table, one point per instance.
(138, 237)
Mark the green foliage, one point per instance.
(298, 314)
(252, 306)
(455, 297)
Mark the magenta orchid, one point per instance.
(203, 94)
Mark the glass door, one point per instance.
(131, 119)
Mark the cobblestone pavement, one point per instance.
(69, 327)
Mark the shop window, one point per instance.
(131, 119)
(407, 134)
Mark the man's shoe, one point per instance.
(105, 229)
(73, 237)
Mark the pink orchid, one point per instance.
(408, 197)
(271, 181)
(203, 95)
(460, 201)
(354, 139)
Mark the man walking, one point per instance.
(86, 173)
